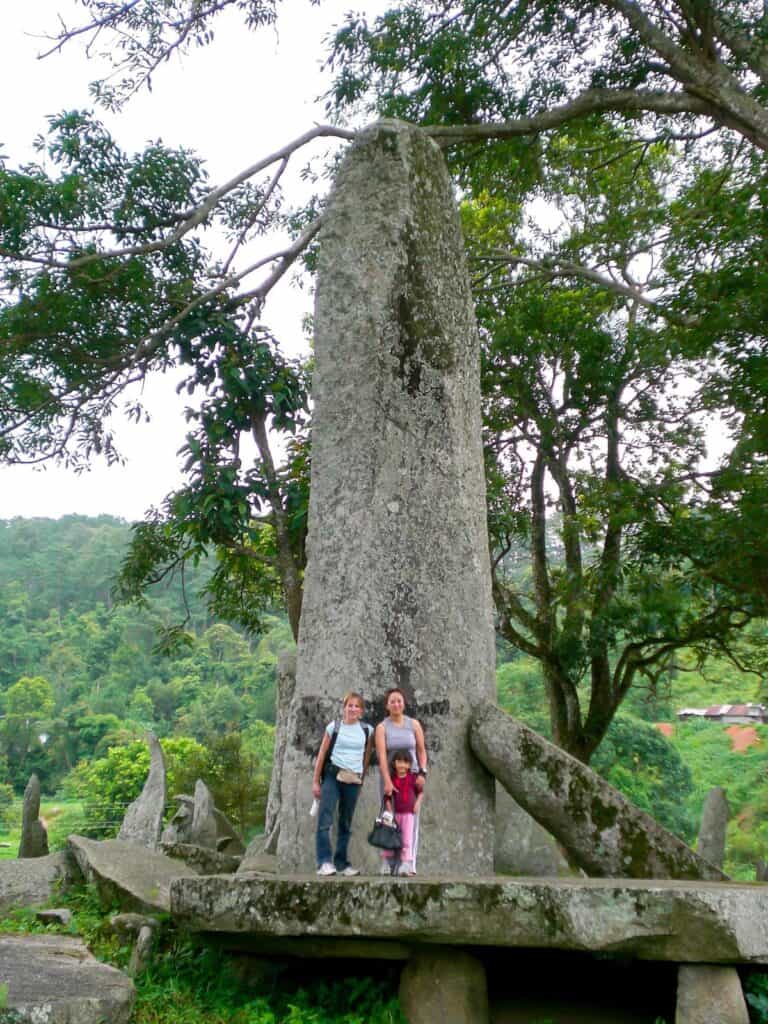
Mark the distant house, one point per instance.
(728, 714)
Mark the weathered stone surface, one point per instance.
(203, 831)
(144, 818)
(651, 920)
(56, 915)
(286, 686)
(54, 979)
(396, 594)
(34, 835)
(445, 986)
(202, 860)
(180, 829)
(127, 926)
(714, 825)
(523, 847)
(256, 860)
(604, 833)
(710, 995)
(141, 953)
(28, 883)
(137, 879)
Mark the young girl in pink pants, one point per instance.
(407, 800)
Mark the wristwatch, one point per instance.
(422, 771)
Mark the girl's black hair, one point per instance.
(400, 755)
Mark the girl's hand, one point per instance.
(419, 783)
(316, 790)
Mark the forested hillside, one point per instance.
(81, 679)
(79, 673)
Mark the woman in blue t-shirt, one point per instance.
(337, 780)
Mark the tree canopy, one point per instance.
(615, 326)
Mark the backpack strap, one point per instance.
(334, 737)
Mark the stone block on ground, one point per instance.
(54, 979)
(444, 986)
(32, 882)
(256, 859)
(56, 915)
(143, 820)
(714, 826)
(707, 994)
(34, 834)
(134, 877)
(605, 834)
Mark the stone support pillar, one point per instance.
(444, 986)
(708, 994)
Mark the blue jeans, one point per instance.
(344, 794)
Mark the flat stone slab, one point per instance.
(54, 979)
(32, 881)
(690, 922)
(134, 876)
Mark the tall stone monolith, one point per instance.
(397, 588)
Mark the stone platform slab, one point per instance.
(688, 922)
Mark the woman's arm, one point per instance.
(421, 753)
(367, 751)
(381, 754)
(319, 762)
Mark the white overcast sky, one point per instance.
(232, 102)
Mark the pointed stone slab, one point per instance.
(689, 922)
(604, 833)
(136, 879)
(397, 588)
(143, 820)
(54, 979)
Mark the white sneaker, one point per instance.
(406, 869)
(349, 871)
(326, 869)
(386, 868)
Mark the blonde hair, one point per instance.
(353, 695)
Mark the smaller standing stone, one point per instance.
(445, 986)
(144, 818)
(714, 825)
(142, 951)
(709, 995)
(204, 830)
(34, 835)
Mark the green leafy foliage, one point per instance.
(99, 662)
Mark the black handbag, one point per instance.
(385, 835)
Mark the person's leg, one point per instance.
(406, 823)
(348, 794)
(329, 797)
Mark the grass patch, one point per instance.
(62, 818)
